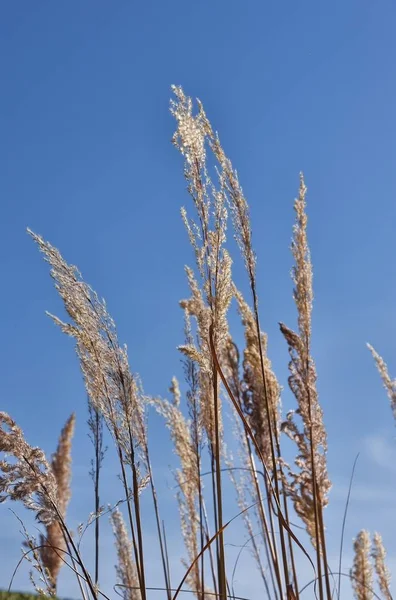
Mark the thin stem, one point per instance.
(98, 451)
(136, 504)
(160, 538)
(222, 575)
(131, 523)
(343, 526)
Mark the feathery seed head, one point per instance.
(388, 382)
(112, 389)
(362, 571)
(29, 477)
(379, 556)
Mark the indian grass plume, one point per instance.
(126, 570)
(113, 390)
(235, 199)
(233, 196)
(378, 554)
(198, 351)
(61, 464)
(207, 236)
(388, 382)
(52, 545)
(311, 483)
(27, 477)
(253, 390)
(209, 305)
(362, 570)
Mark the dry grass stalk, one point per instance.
(116, 396)
(389, 383)
(379, 557)
(126, 569)
(311, 441)
(95, 425)
(253, 392)
(27, 477)
(113, 390)
(53, 545)
(362, 571)
(210, 305)
(309, 487)
(233, 193)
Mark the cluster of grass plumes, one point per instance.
(270, 494)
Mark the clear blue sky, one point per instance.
(86, 160)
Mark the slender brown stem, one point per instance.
(315, 502)
(290, 543)
(208, 537)
(200, 502)
(136, 504)
(222, 571)
(270, 428)
(98, 451)
(80, 585)
(324, 549)
(131, 523)
(259, 454)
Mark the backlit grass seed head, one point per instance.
(52, 545)
(199, 350)
(389, 383)
(379, 557)
(191, 130)
(311, 439)
(362, 571)
(113, 390)
(26, 476)
(253, 388)
(61, 464)
(209, 234)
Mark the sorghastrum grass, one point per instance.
(53, 545)
(218, 374)
(388, 382)
(378, 554)
(208, 305)
(27, 476)
(232, 194)
(309, 487)
(370, 558)
(113, 390)
(362, 570)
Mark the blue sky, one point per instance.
(86, 160)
